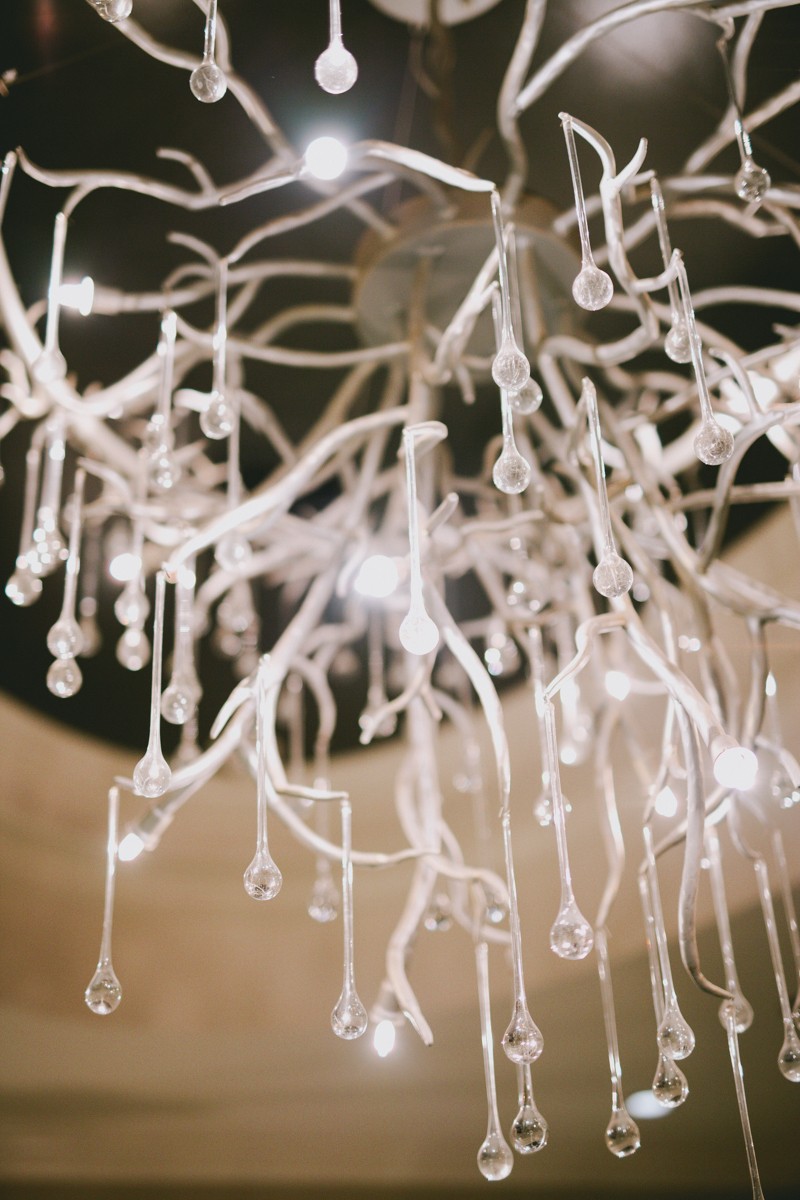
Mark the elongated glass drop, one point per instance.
(418, 633)
(336, 70)
(208, 82)
(103, 992)
(592, 288)
(151, 775)
(349, 1018)
(495, 1159)
(262, 879)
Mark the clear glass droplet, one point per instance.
(522, 1040)
(677, 344)
(349, 1018)
(323, 906)
(64, 678)
(751, 182)
(418, 633)
(670, 1086)
(529, 1130)
(510, 368)
(495, 912)
(789, 1057)
(179, 701)
(104, 993)
(23, 587)
(527, 400)
(742, 1011)
(262, 879)
(713, 445)
(151, 775)
(208, 84)
(336, 70)
(511, 473)
(612, 576)
(592, 288)
(162, 471)
(113, 10)
(64, 638)
(232, 550)
(622, 1134)
(439, 917)
(675, 1037)
(495, 1159)
(131, 606)
(217, 419)
(571, 934)
(133, 650)
(49, 551)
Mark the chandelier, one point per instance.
(575, 554)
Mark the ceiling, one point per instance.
(219, 1070)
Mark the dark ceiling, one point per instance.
(79, 95)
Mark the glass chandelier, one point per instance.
(578, 554)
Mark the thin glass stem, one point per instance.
(53, 470)
(742, 137)
(220, 326)
(559, 820)
(167, 352)
(768, 909)
(347, 895)
(335, 10)
(788, 899)
(513, 912)
(577, 188)
(487, 1044)
(609, 1017)
(741, 1100)
(210, 36)
(589, 396)
(668, 986)
(695, 345)
(721, 911)
(657, 198)
(415, 565)
(502, 268)
(73, 554)
(111, 874)
(656, 981)
(33, 462)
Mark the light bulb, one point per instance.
(326, 158)
(384, 1038)
(377, 577)
(618, 684)
(125, 567)
(736, 767)
(130, 847)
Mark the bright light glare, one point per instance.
(130, 847)
(770, 686)
(125, 567)
(377, 577)
(326, 158)
(643, 1106)
(77, 295)
(618, 684)
(666, 802)
(384, 1038)
(736, 767)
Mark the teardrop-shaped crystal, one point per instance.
(751, 182)
(216, 420)
(495, 912)
(131, 606)
(104, 993)
(349, 1018)
(789, 1057)
(622, 1134)
(208, 83)
(64, 638)
(713, 445)
(163, 472)
(612, 576)
(742, 1011)
(49, 551)
(64, 678)
(323, 905)
(232, 550)
(151, 775)
(511, 473)
(336, 70)
(522, 1040)
(674, 1035)
(677, 344)
(670, 1086)
(571, 934)
(262, 879)
(133, 650)
(418, 633)
(495, 1159)
(179, 701)
(113, 10)
(510, 368)
(527, 400)
(592, 288)
(23, 587)
(529, 1130)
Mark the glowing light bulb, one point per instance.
(377, 576)
(384, 1038)
(736, 767)
(666, 805)
(125, 567)
(77, 296)
(326, 158)
(130, 847)
(618, 684)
